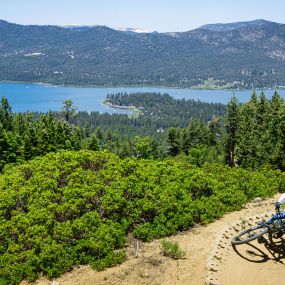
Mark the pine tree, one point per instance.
(76, 139)
(215, 128)
(173, 141)
(6, 115)
(9, 148)
(4, 147)
(92, 143)
(68, 111)
(275, 106)
(185, 141)
(33, 145)
(279, 159)
(232, 126)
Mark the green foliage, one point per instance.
(70, 208)
(198, 156)
(255, 132)
(157, 113)
(232, 125)
(92, 143)
(144, 147)
(172, 249)
(173, 141)
(6, 114)
(68, 111)
(24, 136)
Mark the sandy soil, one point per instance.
(259, 265)
(245, 266)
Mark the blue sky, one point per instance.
(160, 15)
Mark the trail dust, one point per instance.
(258, 264)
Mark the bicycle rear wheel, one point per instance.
(249, 234)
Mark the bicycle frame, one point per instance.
(275, 227)
(280, 216)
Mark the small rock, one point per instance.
(212, 281)
(236, 228)
(212, 267)
(55, 283)
(226, 235)
(257, 200)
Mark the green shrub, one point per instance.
(70, 208)
(3, 282)
(172, 249)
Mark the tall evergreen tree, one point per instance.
(231, 126)
(4, 147)
(92, 143)
(173, 141)
(247, 138)
(6, 114)
(68, 111)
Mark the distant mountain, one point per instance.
(248, 56)
(234, 26)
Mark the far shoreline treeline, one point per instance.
(202, 87)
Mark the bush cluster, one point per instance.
(70, 208)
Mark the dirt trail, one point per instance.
(150, 267)
(259, 266)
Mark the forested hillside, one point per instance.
(154, 114)
(242, 57)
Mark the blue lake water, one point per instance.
(41, 98)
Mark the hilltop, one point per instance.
(220, 27)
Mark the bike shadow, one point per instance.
(262, 250)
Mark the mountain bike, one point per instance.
(275, 227)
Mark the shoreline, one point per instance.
(135, 110)
(136, 86)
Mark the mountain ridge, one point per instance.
(221, 27)
(251, 56)
(213, 27)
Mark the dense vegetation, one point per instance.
(250, 135)
(256, 132)
(80, 188)
(24, 136)
(246, 57)
(157, 113)
(165, 110)
(71, 208)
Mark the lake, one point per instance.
(43, 98)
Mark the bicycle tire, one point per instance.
(249, 234)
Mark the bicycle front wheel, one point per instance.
(249, 234)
